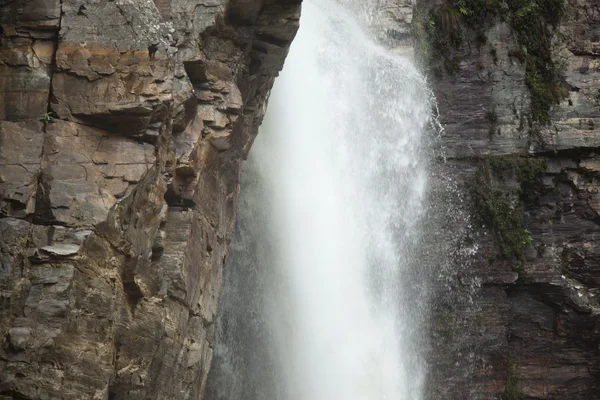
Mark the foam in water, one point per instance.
(322, 297)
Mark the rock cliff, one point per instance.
(517, 84)
(123, 125)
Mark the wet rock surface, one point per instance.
(519, 317)
(123, 125)
(122, 128)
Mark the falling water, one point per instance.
(324, 294)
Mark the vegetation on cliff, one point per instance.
(443, 32)
(500, 206)
(512, 389)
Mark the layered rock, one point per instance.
(522, 318)
(123, 127)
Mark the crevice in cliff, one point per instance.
(176, 201)
(270, 39)
(50, 114)
(133, 293)
(14, 395)
(576, 152)
(43, 209)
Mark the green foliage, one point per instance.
(479, 14)
(512, 390)
(47, 118)
(525, 169)
(533, 22)
(502, 209)
(441, 33)
(439, 36)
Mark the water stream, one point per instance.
(324, 297)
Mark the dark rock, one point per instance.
(530, 321)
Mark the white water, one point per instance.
(322, 298)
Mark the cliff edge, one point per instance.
(123, 125)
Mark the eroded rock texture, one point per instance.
(517, 85)
(122, 128)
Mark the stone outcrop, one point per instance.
(521, 316)
(122, 129)
(123, 125)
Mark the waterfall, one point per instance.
(324, 295)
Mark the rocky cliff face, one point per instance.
(122, 128)
(123, 125)
(518, 84)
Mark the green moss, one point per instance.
(533, 22)
(502, 208)
(570, 260)
(479, 14)
(512, 390)
(438, 37)
(565, 261)
(525, 169)
(441, 32)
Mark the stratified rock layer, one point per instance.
(123, 125)
(522, 318)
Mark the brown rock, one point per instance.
(116, 213)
